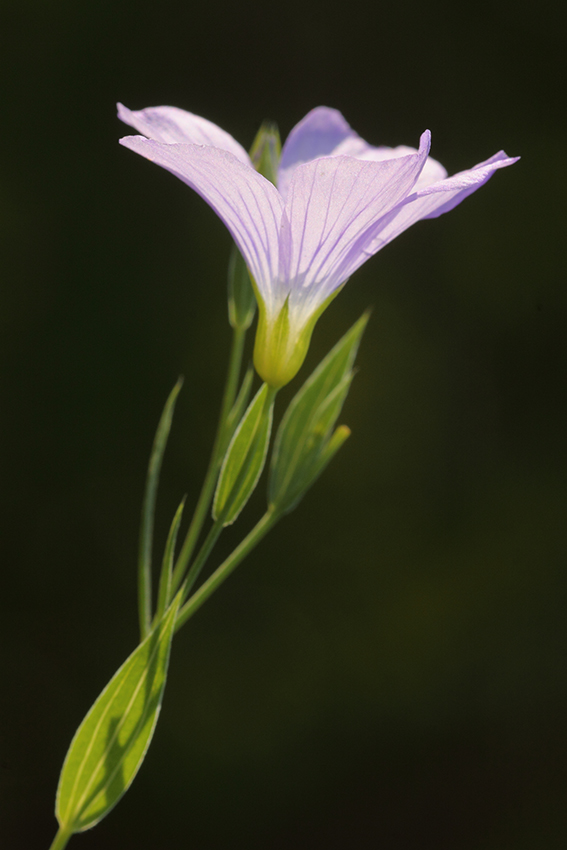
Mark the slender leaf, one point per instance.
(165, 583)
(148, 512)
(111, 742)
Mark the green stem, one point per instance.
(208, 587)
(270, 397)
(61, 839)
(201, 558)
(206, 495)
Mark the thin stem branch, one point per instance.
(214, 581)
(202, 556)
(61, 839)
(234, 368)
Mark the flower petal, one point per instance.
(432, 170)
(453, 190)
(320, 133)
(176, 126)
(333, 207)
(434, 199)
(248, 204)
(325, 132)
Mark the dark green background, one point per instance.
(389, 668)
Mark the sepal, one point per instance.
(282, 342)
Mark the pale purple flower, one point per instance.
(338, 201)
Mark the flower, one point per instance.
(338, 201)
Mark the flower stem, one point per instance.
(208, 587)
(234, 367)
(61, 839)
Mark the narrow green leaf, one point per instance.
(245, 457)
(111, 742)
(165, 588)
(148, 512)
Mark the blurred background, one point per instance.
(388, 668)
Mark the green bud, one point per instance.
(241, 297)
(266, 151)
(245, 457)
